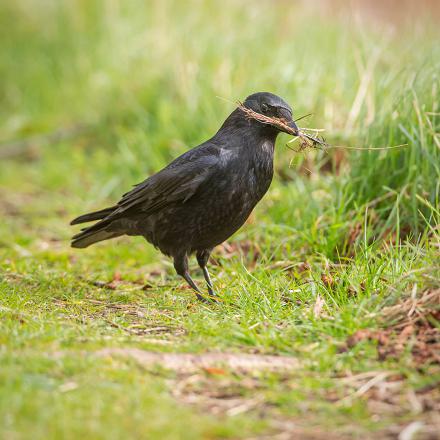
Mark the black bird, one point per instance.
(202, 197)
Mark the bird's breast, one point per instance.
(262, 166)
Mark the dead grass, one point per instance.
(410, 324)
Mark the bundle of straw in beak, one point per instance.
(306, 140)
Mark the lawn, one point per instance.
(336, 273)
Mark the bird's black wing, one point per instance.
(176, 183)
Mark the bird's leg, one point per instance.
(181, 266)
(202, 259)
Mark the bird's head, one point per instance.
(272, 106)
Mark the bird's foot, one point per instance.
(208, 299)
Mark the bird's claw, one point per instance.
(210, 298)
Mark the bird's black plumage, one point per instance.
(202, 197)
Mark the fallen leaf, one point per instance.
(214, 370)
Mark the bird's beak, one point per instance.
(291, 124)
(286, 117)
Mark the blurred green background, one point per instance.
(123, 87)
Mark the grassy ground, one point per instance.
(338, 267)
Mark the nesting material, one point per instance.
(305, 139)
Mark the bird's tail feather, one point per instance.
(97, 215)
(104, 229)
(92, 235)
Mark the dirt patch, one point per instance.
(389, 394)
(385, 394)
(209, 362)
(219, 394)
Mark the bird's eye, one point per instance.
(264, 108)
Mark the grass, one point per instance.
(113, 91)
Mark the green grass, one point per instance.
(136, 85)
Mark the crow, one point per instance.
(201, 198)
